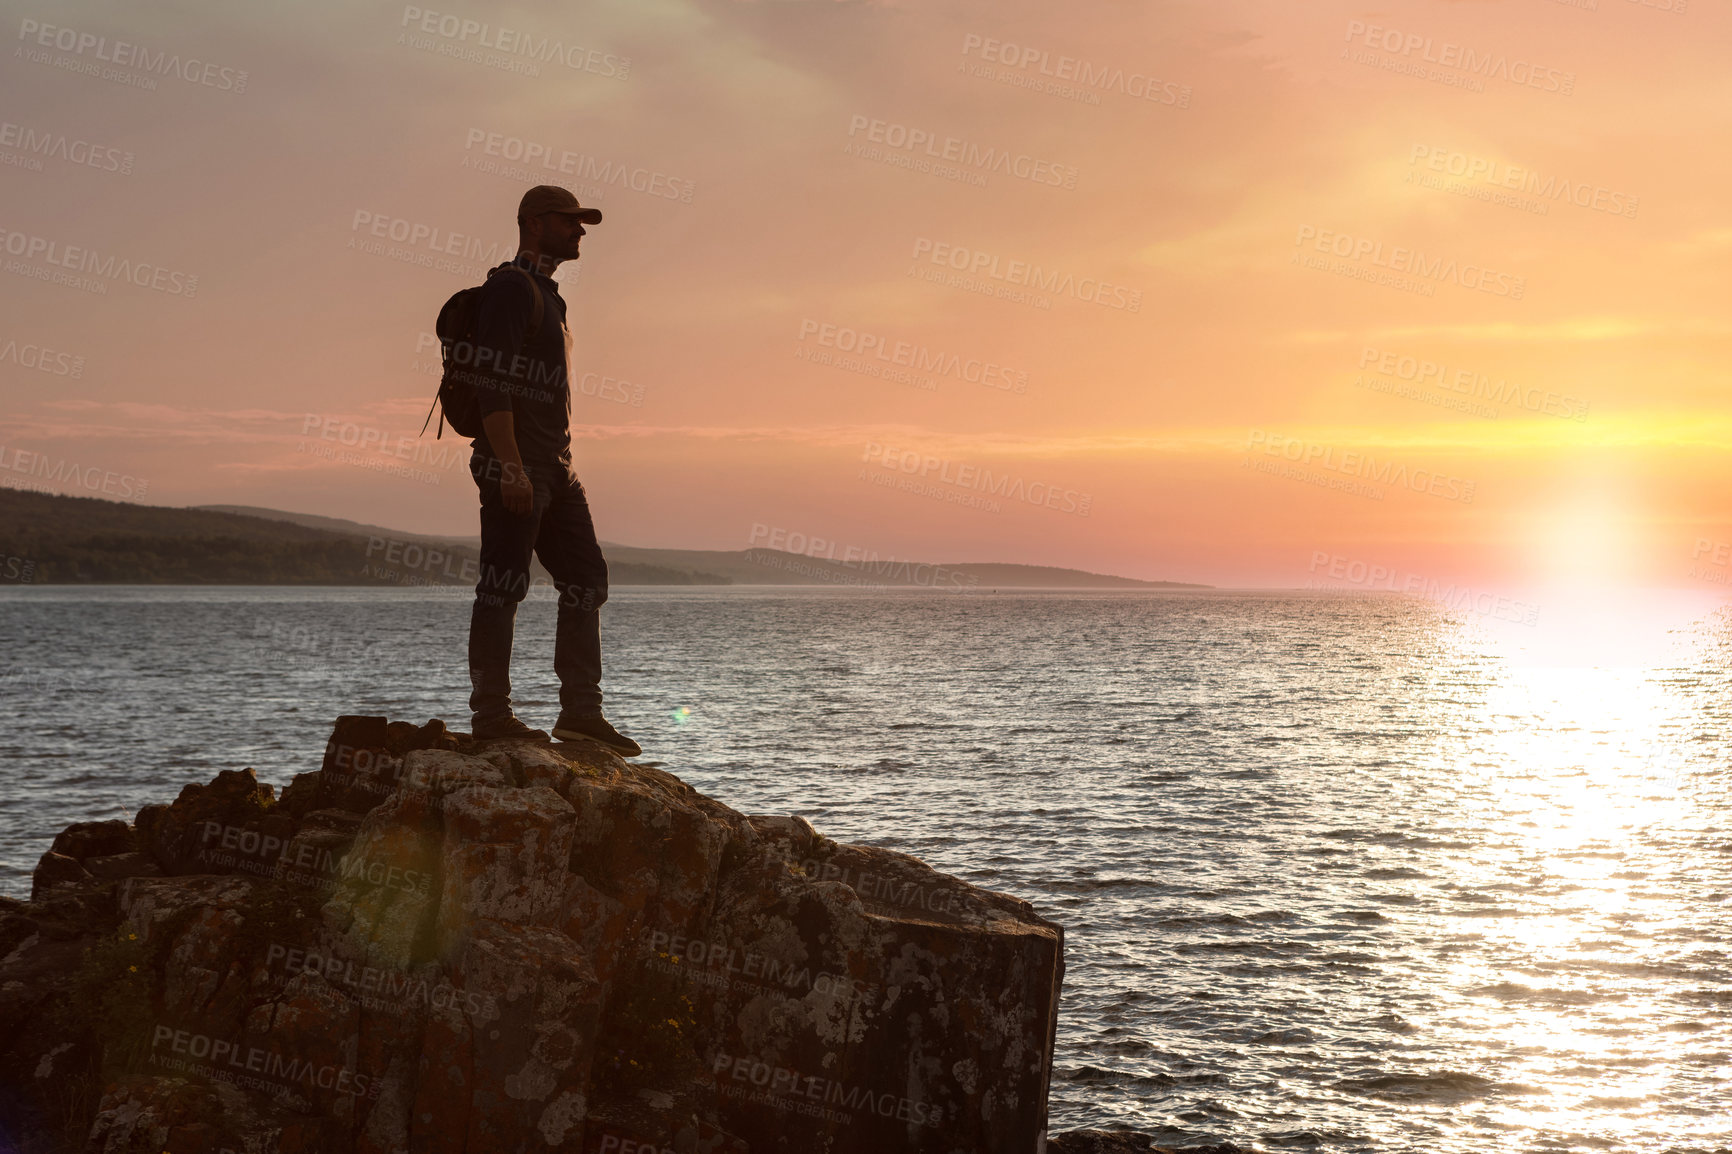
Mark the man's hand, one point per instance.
(515, 489)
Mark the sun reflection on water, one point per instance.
(1586, 891)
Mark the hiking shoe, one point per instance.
(596, 728)
(507, 726)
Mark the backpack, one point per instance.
(456, 331)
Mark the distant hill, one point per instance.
(69, 540)
(775, 567)
(73, 540)
(333, 524)
(84, 539)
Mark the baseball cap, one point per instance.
(552, 198)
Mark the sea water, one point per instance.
(1335, 872)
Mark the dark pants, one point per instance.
(558, 530)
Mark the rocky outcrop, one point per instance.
(433, 944)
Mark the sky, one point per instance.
(1247, 292)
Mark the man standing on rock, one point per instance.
(531, 501)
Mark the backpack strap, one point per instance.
(539, 308)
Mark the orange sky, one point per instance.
(1432, 287)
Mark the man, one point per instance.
(531, 501)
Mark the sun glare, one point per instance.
(1586, 543)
